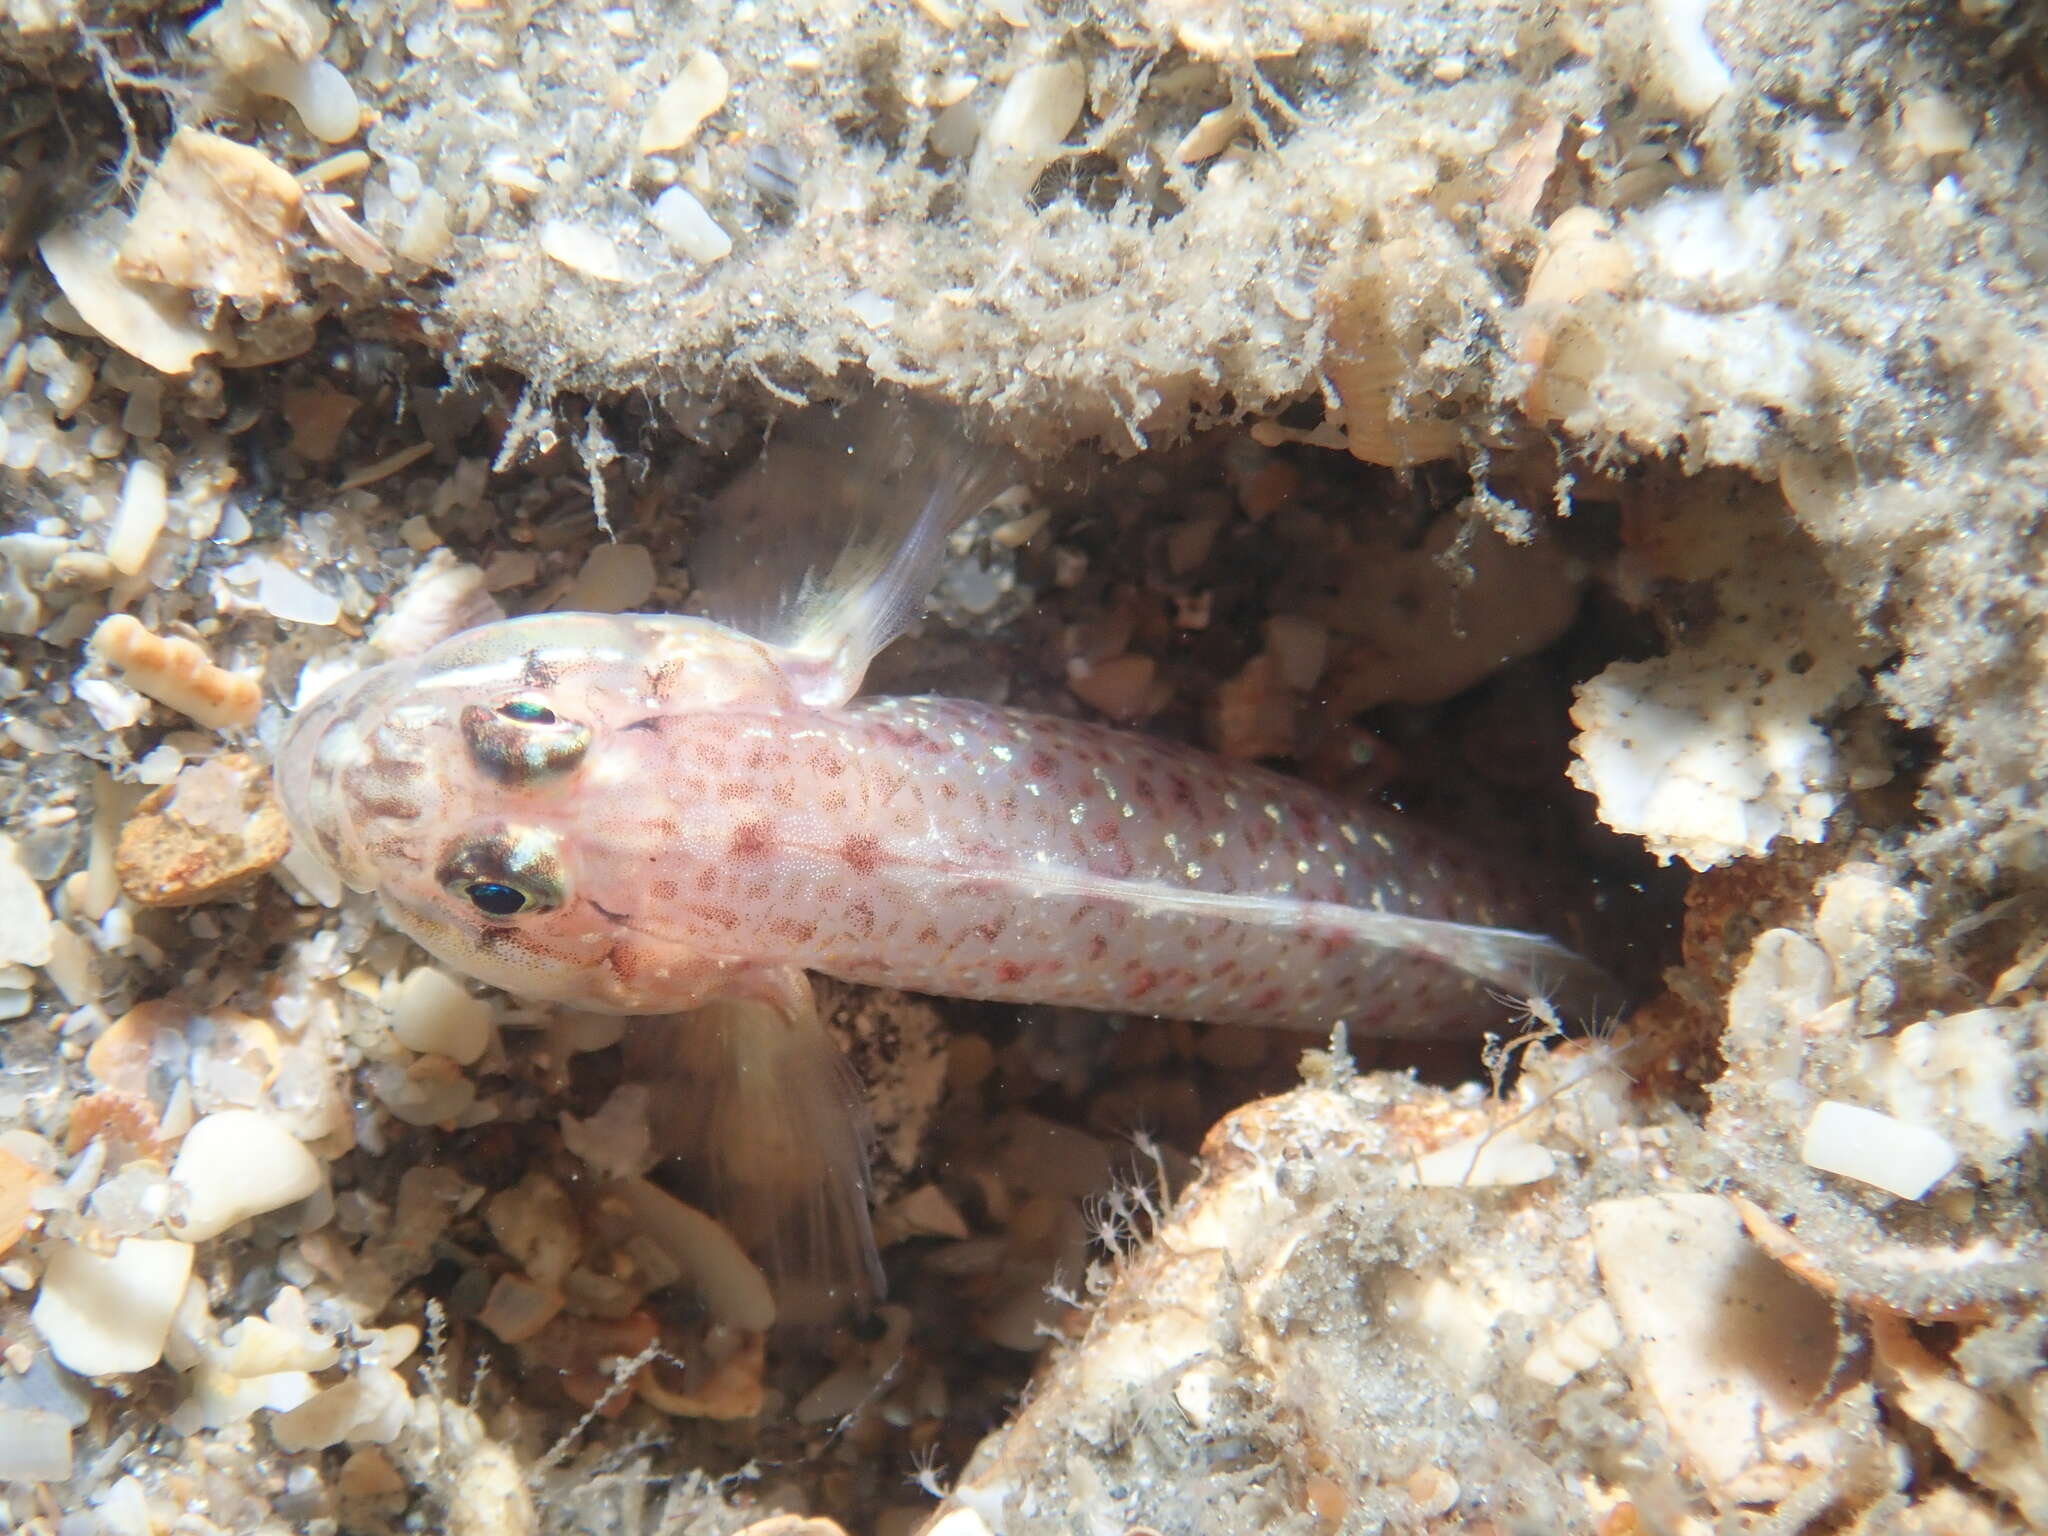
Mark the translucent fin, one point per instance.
(770, 1125)
(1518, 963)
(829, 546)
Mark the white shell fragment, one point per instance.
(689, 226)
(1892, 1155)
(435, 1016)
(139, 517)
(734, 1289)
(233, 1165)
(1210, 136)
(684, 103)
(287, 595)
(1482, 1162)
(109, 1314)
(370, 1406)
(1683, 58)
(1733, 1349)
(25, 922)
(584, 250)
(1023, 133)
(147, 324)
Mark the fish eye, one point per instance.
(495, 900)
(508, 871)
(523, 742)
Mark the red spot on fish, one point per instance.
(861, 917)
(796, 932)
(1044, 765)
(862, 852)
(666, 890)
(990, 931)
(1269, 997)
(830, 764)
(1142, 983)
(1011, 971)
(720, 917)
(928, 935)
(750, 840)
(1182, 791)
(1098, 947)
(623, 961)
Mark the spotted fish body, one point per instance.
(953, 848)
(653, 814)
(710, 826)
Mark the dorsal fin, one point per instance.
(830, 544)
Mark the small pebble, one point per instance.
(517, 1309)
(233, 1165)
(1032, 118)
(139, 517)
(679, 111)
(203, 836)
(110, 1314)
(690, 227)
(584, 250)
(616, 578)
(1210, 136)
(435, 1016)
(1122, 687)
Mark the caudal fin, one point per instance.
(768, 1120)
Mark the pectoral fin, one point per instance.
(829, 546)
(769, 1125)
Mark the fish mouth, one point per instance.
(322, 744)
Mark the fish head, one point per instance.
(465, 786)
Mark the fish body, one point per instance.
(661, 814)
(712, 824)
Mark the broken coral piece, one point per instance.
(214, 218)
(177, 674)
(1720, 749)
